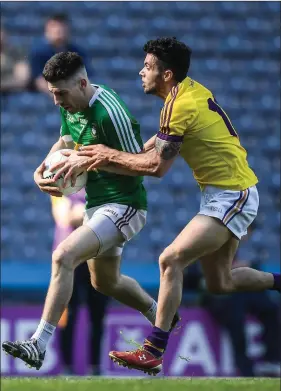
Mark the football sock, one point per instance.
(157, 341)
(277, 282)
(151, 313)
(43, 334)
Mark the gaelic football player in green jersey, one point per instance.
(115, 204)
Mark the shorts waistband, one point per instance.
(213, 189)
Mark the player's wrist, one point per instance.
(113, 156)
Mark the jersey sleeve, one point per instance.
(118, 127)
(64, 129)
(177, 117)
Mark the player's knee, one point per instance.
(169, 260)
(63, 258)
(98, 285)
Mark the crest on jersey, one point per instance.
(94, 131)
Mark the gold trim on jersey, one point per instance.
(161, 117)
(77, 146)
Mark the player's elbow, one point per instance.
(156, 167)
(159, 172)
(161, 167)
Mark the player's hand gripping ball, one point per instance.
(68, 189)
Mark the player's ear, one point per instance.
(168, 75)
(83, 83)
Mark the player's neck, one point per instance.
(90, 91)
(165, 90)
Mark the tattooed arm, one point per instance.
(153, 162)
(167, 150)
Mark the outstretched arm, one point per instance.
(124, 163)
(159, 152)
(155, 161)
(112, 167)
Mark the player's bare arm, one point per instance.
(60, 144)
(154, 162)
(167, 150)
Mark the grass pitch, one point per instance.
(122, 384)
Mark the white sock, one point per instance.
(43, 334)
(151, 313)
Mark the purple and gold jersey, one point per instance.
(210, 144)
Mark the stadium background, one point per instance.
(235, 54)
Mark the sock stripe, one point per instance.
(148, 343)
(157, 341)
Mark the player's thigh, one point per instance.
(114, 224)
(104, 271)
(79, 246)
(202, 235)
(217, 266)
(104, 268)
(223, 215)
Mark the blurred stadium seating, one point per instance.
(236, 49)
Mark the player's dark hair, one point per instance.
(62, 66)
(171, 54)
(62, 18)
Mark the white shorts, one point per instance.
(236, 209)
(114, 224)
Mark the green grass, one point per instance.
(121, 384)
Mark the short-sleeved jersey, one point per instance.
(210, 144)
(107, 121)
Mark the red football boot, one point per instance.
(139, 359)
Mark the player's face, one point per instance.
(57, 32)
(69, 95)
(150, 75)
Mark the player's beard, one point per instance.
(154, 86)
(151, 91)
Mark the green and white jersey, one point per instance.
(107, 121)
